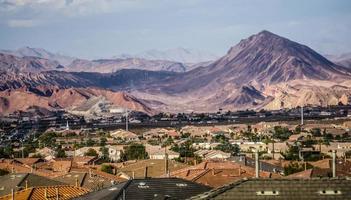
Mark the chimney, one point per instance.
(334, 163)
(301, 115)
(257, 164)
(45, 193)
(12, 194)
(57, 194)
(26, 184)
(145, 172)
(239, 170)
(166, 162)
(76, 181)
(133, 175)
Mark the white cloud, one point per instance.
(22, 23)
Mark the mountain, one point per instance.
(342, 60)
(182, 55)
(112, 65)
(40, 53)
(13, 63)
(258, 62)
(51, 98)
(264, 71)
(122, 80)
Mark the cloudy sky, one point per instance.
(103, 28)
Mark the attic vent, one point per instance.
(330, 192)
(269, 193)
(181, 184)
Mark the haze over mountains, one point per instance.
(263, 71)
(177, 55)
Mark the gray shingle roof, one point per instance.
(322, 188)
(18, 181)
(154, 188)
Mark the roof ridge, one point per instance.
(21, 181)
(201, 174)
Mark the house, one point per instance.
(336, 188)
(115, 151)
(251, 146)
(216, 173)
(46, 152)
(124, 135)
(47, 192)
(275, 149)
(158, 152)
(152, 167)
(20, 181)
(212, 154)
(152, 188)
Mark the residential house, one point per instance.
(158, 152)
(336, 188)
(124, 135)
(151, 188)
(212, 154)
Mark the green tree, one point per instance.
(295, 167)
(281, 133)
(103, 141)
(91, 152)
(134, 151)
(89, 142)
(107, 168)
(234, 149)
(105, 154)
(60, 153)
(292, 153)
(48, 139)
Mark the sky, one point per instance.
(104, 28)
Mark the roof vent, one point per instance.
(181, 184)
(268, 193)
(142, 185)
(113, 189)
(330, 192)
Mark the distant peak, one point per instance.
(266, 33)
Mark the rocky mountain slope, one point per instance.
(262, 71)
(113, 65)
(342, 60)
(11, 63)
(55, 98)
(182, 55)
(40, 53)
(241, 78)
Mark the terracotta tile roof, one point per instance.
(156, 167)
(28, 161)
(47, 193)
(217, 173)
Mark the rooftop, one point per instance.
(282, 189)
(154, 188)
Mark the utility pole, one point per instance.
(22, 149)
(301, 115)
(127, 120)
